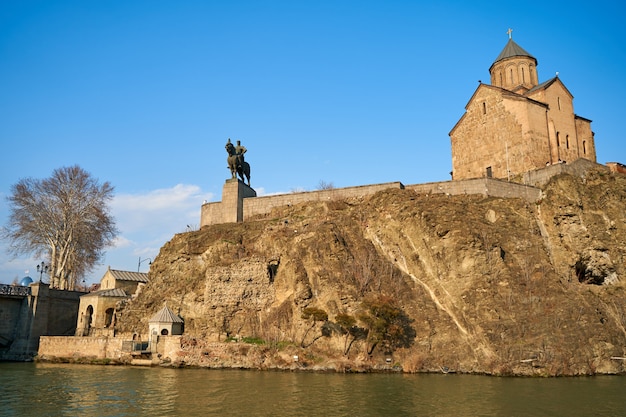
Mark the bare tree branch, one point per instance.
(64, 218)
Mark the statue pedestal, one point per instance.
(230, 209)
(233, 193)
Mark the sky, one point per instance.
(145, 94)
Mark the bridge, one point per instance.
(29, 312)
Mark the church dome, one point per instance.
(514, 69)
(26, 281)
(511, 49)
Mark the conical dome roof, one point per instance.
(165, 315)
(512, 49)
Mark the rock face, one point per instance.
(492, 285)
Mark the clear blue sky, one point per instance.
(144, 95)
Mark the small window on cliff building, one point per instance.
(567, 141)
(584, 147)
(484, 108)
(489, 172)
(558, 140)
(558, 102)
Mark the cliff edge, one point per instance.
(407, 281)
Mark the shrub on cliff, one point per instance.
(387, 324)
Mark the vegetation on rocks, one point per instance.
(398, 280)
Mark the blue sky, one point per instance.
(144, 95)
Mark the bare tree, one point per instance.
(323, 185)
(64, 218)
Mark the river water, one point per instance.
(38, 389)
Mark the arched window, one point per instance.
(88, 318)
(501, 81)
(512, 76)
(523, 76)
(567, 141)
(558, 101)
(558, 142)
(584, 147)
(484, 108)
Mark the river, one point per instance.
(41, 389)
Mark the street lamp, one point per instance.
(142, 261)
(42, 269)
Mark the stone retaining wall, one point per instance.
(80, 347)
(114, 348)
(484, 186)
(263, 205)
(238, 205)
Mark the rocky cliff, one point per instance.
(474, 284)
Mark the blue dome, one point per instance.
(26, 281)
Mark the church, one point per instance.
(516, 124)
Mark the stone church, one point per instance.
(515, 124)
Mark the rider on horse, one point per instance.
(236, 162)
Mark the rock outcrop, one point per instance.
(491, 285)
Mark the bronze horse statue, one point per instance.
(236, 163)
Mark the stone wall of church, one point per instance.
(585, 140)
(563, 137)
(490, 139)
(514, 72)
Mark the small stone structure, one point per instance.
(97, 309)
(164, 323)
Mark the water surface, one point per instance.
(36, 389)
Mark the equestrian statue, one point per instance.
(236, 162)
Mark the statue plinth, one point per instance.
(230, 209)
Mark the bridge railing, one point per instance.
(15, 290)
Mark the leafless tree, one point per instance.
(64, 218)
(323, 185)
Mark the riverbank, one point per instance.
(194, 353)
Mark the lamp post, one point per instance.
(42, 269)
(142, 261)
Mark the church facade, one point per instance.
(516, 124)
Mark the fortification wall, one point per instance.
(245, 207)
(484, 186)
(578, 168)
(263, 205)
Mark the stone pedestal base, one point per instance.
(230, 209)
